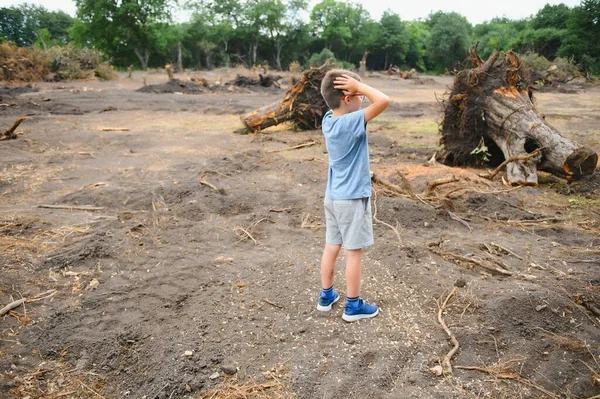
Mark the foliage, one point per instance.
(558, 69)
(583, 36)
(295, 67)
(107, 25)
(22, 64)
(450, 39)
(71, 62)
(104, 71)
(22, 24)
(246, 32)
(316, 60)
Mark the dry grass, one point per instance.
(22, 64)
(274, 387)
(52, 380)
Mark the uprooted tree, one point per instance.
(302, 104)
(490, 113)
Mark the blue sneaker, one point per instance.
(362, 311)
(326, 302)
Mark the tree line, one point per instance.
(281, 33)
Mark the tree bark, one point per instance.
(143, 58)
(517, 129)
(179, 58)
(491, 104)
(302, 104)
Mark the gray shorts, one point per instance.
(349, 223)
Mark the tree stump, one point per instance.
(490, 116)
(302, 104)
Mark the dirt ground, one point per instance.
(188, 265)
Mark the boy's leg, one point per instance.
(328, 296)
(353, 272)
(330, 254)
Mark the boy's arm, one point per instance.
(350, 86)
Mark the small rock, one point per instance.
(188, 353)
(437, 370)
(350, 340)
(202, 364)
(93, 284)
(214, 376)
(540, 307)
(229, 369)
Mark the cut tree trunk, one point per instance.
(302, 104)
(490, 112)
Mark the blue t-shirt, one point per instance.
(346, 140)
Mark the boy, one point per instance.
(348, 194)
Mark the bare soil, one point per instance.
(196, 274)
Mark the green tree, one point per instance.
(394, 39)
(582, 41)
(110, 24)
(23, 24)
(419, 34)
(329, 23)
(450, 39)
(498, 34)
(551, 16)
(267, 16)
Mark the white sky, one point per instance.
(476, 11)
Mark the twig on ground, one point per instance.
(508, 251)
(382, 222)
(472, 260)
(207, 184)
(433, 184)
(114, 129)
(73, 207)
(247, 234)
(508, 374)
(12, 305)
(459, 219)
(294, 147)
(405, 190)
(19, 302)
(265, 300)
(446, 365)
(91, 390)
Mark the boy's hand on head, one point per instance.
(347, 84)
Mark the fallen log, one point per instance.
(489, 117)
(302, 104)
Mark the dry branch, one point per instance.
(311, 143)
(382, 222)
(508, 374)
(491, 175)
(477, 262)
(114, 129)
(432, 185)
(12, 305)
(406, 190)
(207, 184)
(9, 134)
(19, 302)
(73, 207)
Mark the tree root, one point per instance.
(446, 365)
